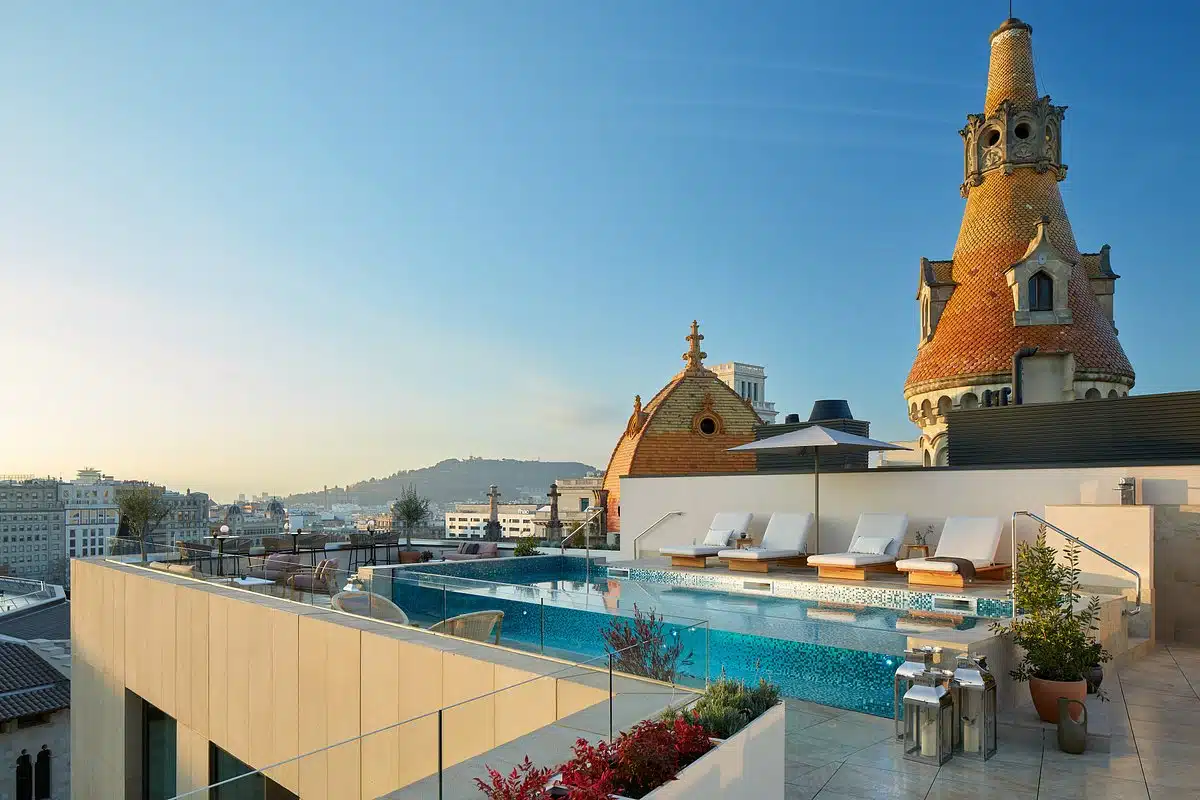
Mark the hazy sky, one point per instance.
(272, 245)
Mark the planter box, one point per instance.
(748, 764)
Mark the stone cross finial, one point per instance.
(695, 356)
(493, 500)
(554, 495)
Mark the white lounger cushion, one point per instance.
(926, 565)
(731, 523)
(690, 550)
(786, 536)
(871, 525)
(849, 559)
(972, 538)
(757, 554)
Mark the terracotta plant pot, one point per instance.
(1046, 693)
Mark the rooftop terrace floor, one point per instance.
(1155, 749)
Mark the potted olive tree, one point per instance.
(1055, 632)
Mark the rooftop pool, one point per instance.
(837, 651)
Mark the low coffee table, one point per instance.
(250, 583)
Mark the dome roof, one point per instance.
(687, 427)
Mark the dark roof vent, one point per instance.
(830, 409)
(791, 419)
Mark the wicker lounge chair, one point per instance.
(477, 625)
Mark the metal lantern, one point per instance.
(929, 719)
(916, 661)
(974, 690)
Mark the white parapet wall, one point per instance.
(926, 496)
(748, 764)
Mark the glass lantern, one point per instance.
(974, 690)
(916, 661)
(929, 719)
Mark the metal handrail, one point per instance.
(653, 525)
(1137, 607)
(562, 545)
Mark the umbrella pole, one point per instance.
(817, 500)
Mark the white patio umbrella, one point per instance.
(813, 438)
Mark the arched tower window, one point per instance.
(1041, 292)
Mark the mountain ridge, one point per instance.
(453, 480)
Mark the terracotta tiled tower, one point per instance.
(686, 428)
(1017, 280)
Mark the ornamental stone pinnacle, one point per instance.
(694, 357)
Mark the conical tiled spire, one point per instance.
(1012, 170)
(1010, 74)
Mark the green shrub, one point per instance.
(526, 547)
(729, 705)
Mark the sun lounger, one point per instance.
(785, 542)
(873, 548)
(971, 540)
(725, 527)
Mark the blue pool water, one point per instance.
(844, 656)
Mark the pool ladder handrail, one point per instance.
(1137, 603)
(653, 525)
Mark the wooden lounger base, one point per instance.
(996, 572)
(689, 561)
(748, 565)
(854, 573)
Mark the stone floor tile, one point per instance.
(857, 732)
(1074, 786)
(1136, 695)
(1155, 749)
(812, 752)
(792, 704)
(951, 788)
(1165, 731)
(1167, 793)
(1172, 774)
(795, 720)
(806, 786)
(1171, 716)
(880, 784)
(888, 755)
(1000, 774)
(1124, 766)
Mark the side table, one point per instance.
(923, 549)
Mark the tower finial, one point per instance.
(695, 356)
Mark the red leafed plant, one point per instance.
(691, 740)
(642, 649)
(637, 763)
(525, 782)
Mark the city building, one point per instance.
(750, 382)
(1018, 314)
(253, 526)
(469, 520)
(35, 719)
(688, 426)
(32, 540)
(92, 513)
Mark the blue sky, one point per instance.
(271, 245)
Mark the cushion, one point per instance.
(788, 532)
(972, 538)
(691, 550)
(894, 526)
(716, 538)
(736, 521)
(757, 554)
(925, 565)
(871, 545)
(849, 559)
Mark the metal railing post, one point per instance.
(653, 525)
(611, 699)
(1137, 609)
(439, 754)
(542, 630)
(707, 650)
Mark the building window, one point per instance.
(1041, 292)
(222, 767)
(708, 426)
(158, 754)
